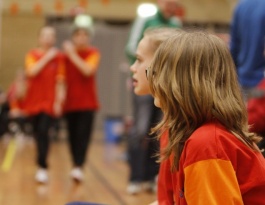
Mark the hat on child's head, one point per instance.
(84, 22)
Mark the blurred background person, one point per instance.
(16, 94)
(12, 102)
(141, 148)
(247, 45)
(82, 61)
(16, 99)
(256, 114)
(247, 48)
(45, 93)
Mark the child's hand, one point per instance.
(15, 113)
(3, 98)
(57, 108)
(51, 53)
(68, 47)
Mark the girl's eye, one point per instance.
(138, 59)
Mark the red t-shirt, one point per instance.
(215, 168)
(41, 88)
(81, 89)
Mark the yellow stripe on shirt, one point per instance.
(212, 182)
(93, 61)
(29, 61)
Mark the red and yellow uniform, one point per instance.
(41, 88)
(215, 168)
(81, 89)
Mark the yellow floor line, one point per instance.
(10, 155)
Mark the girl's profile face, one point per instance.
(144, 56)
(47, 37)
(80, 38)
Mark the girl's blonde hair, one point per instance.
(157, 35)
(194, 77)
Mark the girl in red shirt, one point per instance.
(82, 62)
(45, 93)
(210, 157)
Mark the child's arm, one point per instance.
(86, 66)
(60, 89)
(33, 67)
(60, 95)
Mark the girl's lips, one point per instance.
(134, 82)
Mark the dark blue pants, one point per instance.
(141, 146)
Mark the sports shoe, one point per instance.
(149, 186)
(77, 174)
(41, 176)
(134, 188)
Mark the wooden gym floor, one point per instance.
(105, 181)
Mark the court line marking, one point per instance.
(108, 186)
(9, 156)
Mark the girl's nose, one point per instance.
(132, 68)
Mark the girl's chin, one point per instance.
(137, 91)
(141, 91)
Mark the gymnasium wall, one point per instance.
(21, 23)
